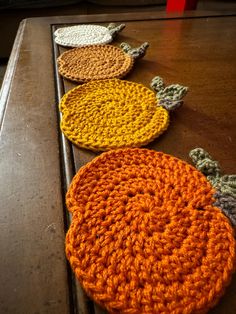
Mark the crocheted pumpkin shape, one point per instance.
(145, 237)
(97, 62)
(86, 35)
(101, 115)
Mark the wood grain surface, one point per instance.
(37, 163)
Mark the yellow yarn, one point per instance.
(113, 113)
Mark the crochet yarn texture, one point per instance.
(145, 237)
(225, 185)
(86, 35)
(97, 62)
(101, 115)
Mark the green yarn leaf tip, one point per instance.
(170, 97)
(136, 53)
(225, 185)
(115, 29)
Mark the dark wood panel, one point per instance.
(137, 16)
(33, 266)
(9, 72)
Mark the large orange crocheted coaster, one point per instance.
(106, 114)
(95, 62)
(145, 236)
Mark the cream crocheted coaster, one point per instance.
(86, 35)
(98, 62)
(147, 235)
(107, 114)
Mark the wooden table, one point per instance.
(37, 162)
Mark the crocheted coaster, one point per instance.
(101, 115)
(86, 35)
(98, 62)
(145, 236)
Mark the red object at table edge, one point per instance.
(181, 5)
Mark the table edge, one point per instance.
(132, 16)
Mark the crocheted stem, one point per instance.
(115, 29)
(225, 185)
(169, 97)
(136, 53)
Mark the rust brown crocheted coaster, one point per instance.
(97, 62)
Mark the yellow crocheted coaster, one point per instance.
(101, 115)
(146, 237)
(98, 62)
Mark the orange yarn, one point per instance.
(145, 237)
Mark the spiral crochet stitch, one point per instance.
(145, 237)
(85, 35)
(101, 115)
(96, 62)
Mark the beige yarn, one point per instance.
(85, 35)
